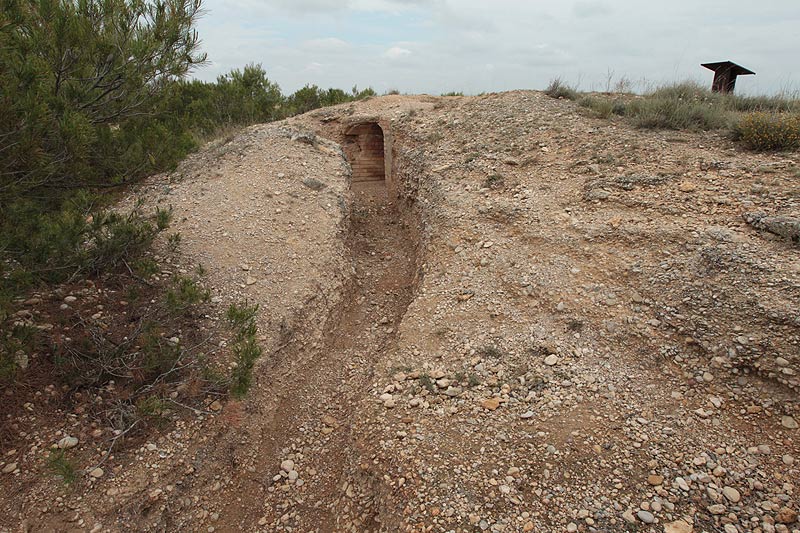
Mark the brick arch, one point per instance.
(365, 149)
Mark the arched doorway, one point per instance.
(364, 148)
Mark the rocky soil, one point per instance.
(547, 322)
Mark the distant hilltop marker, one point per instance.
(725, 73)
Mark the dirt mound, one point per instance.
(536, 321)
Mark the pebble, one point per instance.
(717, 508)
(67, 442)
(491, 403)
(731, 494)
(9, 468)
(679, 526)
(788, 422)
(97, 473)
(551, 360)
(287, 465)
(646, 516)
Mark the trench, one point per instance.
(333, 380)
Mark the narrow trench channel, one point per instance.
(383, 243)
(334, 381)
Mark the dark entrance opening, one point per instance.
(364, 147)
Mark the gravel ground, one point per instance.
(560, 324)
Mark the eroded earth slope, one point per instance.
(545, 322)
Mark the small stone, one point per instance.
(717, 508)
(491, 403)
(646, 516)
(572, 527)
(9, 468)
(678, 526)
(293, 475)
(70, 299)
(628, 517)
(788, 460)
(453, 392)
(788, 422)
(67, 442)
(215, 406)
(731, 494)
(655, 480)
(287, 465)
(551, 360)
(250, 280)
(97, 473)
(687, 186)
(526, 415)
(786, 515)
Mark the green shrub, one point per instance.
(15, 341)
(76, 83)
(660, 112)
(559, 89)
(600, 107)
(77, 239)
(688, 106)
(62, 467)
(245, 347)
(184, 294)
(769, 131)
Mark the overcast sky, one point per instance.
(435, 46)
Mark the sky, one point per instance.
(474, 46)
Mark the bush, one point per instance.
(559, 89)
(184, 294)
(769, 131)
(76, 78)
(688, 106)
(245, 347)
(62, 467)
(52, 247)
(600, 107)
(659, 112)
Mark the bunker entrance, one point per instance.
(364, 148)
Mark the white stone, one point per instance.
(67, 442)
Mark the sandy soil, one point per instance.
(545, 322)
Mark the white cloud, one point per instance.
(328, 44)
(395, 52)
(441, 45)
(591, 8)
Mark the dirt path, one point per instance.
(308, 424)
